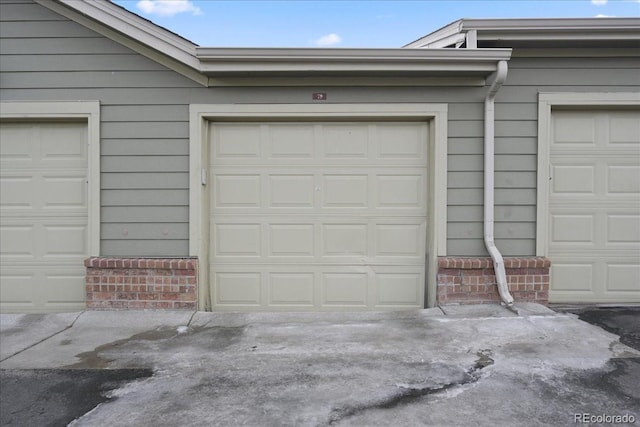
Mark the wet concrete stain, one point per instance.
(622, 321)
(210, 338)
(406, 395)
(56, 397)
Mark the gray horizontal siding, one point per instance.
(144, 131)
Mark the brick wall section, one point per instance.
(473, 281)
(141, 283)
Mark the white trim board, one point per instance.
(201, 114)
(84, 110)
(546, 103)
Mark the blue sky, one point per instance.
(337, 23)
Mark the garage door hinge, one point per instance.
(203, 176)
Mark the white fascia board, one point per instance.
(547, 24)
(450, 30)
(231, 60)
(535, 29)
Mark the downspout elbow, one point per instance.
(489, 166)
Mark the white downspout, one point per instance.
(489, 115)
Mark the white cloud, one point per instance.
(168, 7)
(599, 2)
(602, 15)
(328, 40)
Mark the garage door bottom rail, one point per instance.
(473, 280)
(141, 283)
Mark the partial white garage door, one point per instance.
(317, 216)
(594, 206)
(43, 216)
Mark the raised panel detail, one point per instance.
(64, 192)
(17, 241)
(291, 288)
(64, 289)
(237, 191)
(623, 228)
(351, 141)
(64, 241)
(572, 277)
(237, 141)
(624, 179)
(17, 192)
(573, 179)
(292, 141)
(573, 128)
(399, 190)
(344, 239)
(344, 190)
(398, 288)
(291, 190)
(237, 240)
(399, 142)
(291, 239)
(345, 289)
(624, 128)
(623, 277)
(238, 288)
(398, 240)
(572, 228)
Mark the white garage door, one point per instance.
(43, 216)
(317, 216)
(594, 206)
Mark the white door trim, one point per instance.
(201, 114)
(546, 102)
(83, 110)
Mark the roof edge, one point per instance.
(534, 29)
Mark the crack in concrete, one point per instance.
(407, 394)
(45, 338)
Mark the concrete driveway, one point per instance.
(459, 366)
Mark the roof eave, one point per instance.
(225, 61)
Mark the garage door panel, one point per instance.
(623, 229)
(236, 191)
(44, 216)
(399, 289)
(17, 288)
(401, 191)
(345, 141)
(17, 192)
(64, 192)
(623, 179)
(317, 230)
(594, 206)
(624, 128)
(345, 190)
(345, 240)
(233, 240)
(291, 190)
(623, 277)
(296, 240)
(400, 142)
(291, 289)
(573, 229)
(345, 289)
(65, 288)
(573, 179)
(236, 288)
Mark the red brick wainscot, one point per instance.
(139, 283)
(473, 281)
